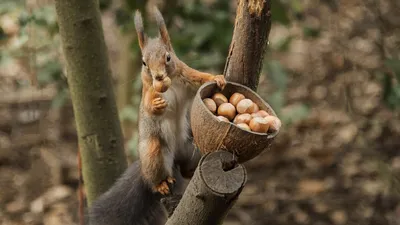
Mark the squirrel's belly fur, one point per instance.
(175, 124)
(172, 127)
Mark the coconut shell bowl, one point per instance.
(211, 134)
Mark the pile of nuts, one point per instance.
(243, 112)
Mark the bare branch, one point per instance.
(214, 188)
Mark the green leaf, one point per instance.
(277, 100)
(60, 99)
(133, 145)
(393, 99)
(394, 65)
(283, 44)
(44, 16)
(8, 6)
(128, 113)
(49, 72)
(5, 58)
(279, 13)
(311, 32)
(277, 74)
(296, 6)
(295, 113)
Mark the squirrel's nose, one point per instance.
(159, 77)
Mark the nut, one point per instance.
(242, 118)
(236, 98)
(261, 113)
(222, 118)
(227, 110)
(162, 86)
(219, 99)
(255, 108)
(259, 124)
(243, 126)
(274, 123)
(245, 106)
(210, 104)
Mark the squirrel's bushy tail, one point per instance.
(129, 201)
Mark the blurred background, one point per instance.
(331, 72)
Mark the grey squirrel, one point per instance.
(166, 151)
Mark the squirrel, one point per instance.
(164, 121)
(167, 154)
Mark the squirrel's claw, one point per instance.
(171, 180)
(158, 105)
(163, 188)
(221, 82)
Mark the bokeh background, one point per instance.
(331, 72)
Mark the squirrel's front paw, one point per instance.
(221, 82)
(158, 105)
(163, 187)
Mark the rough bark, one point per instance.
(249, 41)
(89, 79)
(214, 188)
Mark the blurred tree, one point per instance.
(89, 79)
(129, 67)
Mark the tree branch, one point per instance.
(249, 41)
(89, 79)
(213, 191)
(214, 188)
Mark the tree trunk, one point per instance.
(214, 188)
(250, 38)
(89, 79)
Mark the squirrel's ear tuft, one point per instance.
(140, 29)
(162, 28)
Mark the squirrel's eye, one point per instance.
(168, 58)
(144, 64)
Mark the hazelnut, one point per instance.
(227, 110)
(210, 104)
(222, 118)
(255, 108)
(219, 99)
(236, 98)
(274, 122)
(261, 113)
(259, 124)
(243, 126)
(163, 85)
(242, 118)
(245, 106)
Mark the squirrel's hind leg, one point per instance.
(156, 168)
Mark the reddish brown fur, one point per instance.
(195, 77)
(148, 95)
(153, 163)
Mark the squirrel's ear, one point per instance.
(140, 29)
(163, 28)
